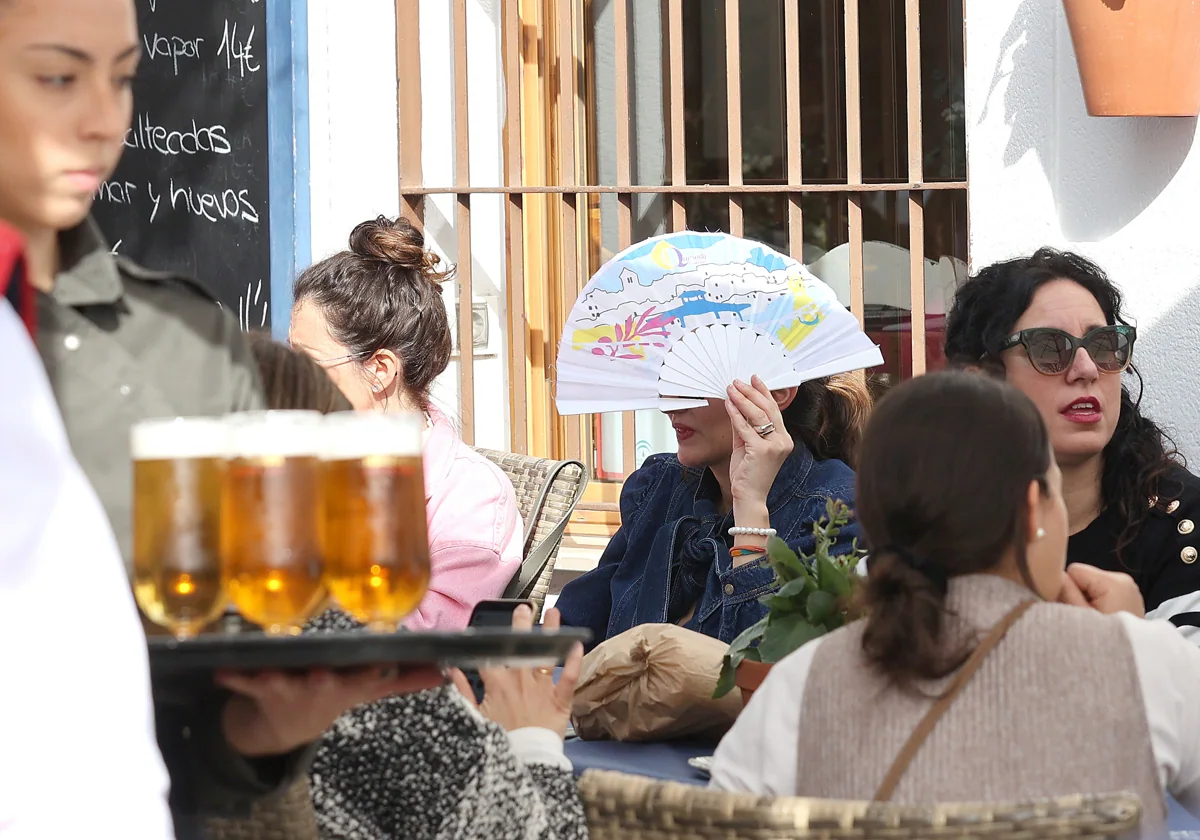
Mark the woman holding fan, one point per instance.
(759, 459)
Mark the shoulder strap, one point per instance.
(965, 673)
(531, 567)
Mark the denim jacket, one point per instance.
(672, 550)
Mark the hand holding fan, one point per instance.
(674, 320)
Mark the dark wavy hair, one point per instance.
(942, 491)
(1139, 457)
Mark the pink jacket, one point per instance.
(475, 533)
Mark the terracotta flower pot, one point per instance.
(749, 677)
(1137, 58)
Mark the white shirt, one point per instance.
(759, 755)
(78, 753)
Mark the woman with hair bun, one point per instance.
(373, 317)
(966, 681)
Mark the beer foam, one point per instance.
(347, 436)
(170, 438)
(275, 434)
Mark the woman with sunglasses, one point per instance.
(1051, 325)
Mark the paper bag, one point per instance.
(653, 683)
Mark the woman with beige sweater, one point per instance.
(1020, 697)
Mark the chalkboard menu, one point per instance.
(191, 192)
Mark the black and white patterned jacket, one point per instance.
(427, 766)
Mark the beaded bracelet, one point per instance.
(752, 532)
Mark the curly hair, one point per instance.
(1139, 457)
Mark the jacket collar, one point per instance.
(438, 451)
(790, 479)
(87, 272)
(13, 286)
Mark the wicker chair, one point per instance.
(547, 493)
(621, 807)
(287, 817)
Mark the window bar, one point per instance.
(690, 189)
(514, 230)
(466, 344)
(733, 94)
(678, 145)
(412, 207)
(853, 99)
(568, 205)
(628, 418)
(408, 90)
(854, 160)
(462, 224)
(791, 28)
(854, 215)
(916, 174)
(624, 198)
(517, 328)
(916, 272)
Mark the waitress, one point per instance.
(121, 344)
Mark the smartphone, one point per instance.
(490, 614)
(496, 613)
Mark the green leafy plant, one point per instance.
(812, 597)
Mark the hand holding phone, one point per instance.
(497, 613)
(524, 697)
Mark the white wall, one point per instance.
(355, 159)
(1121, 191)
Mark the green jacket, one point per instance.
(121, 344)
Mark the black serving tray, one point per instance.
(348, 650)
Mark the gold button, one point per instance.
(1187, 526)
(1174, 506)
(1152, 501)
(1189, 555)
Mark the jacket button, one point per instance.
(125, 390)
(729, 590)
(72, 342)
(1174, 506)
(1189, 555)
(1187, 526)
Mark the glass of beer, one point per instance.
(177, 471)
(270, 513)
(375, 540)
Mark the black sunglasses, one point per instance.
(1051, 351)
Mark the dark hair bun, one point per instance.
(397, 243)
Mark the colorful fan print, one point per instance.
(674, 320)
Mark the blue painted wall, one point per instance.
(287, 112)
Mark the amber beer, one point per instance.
(375, 540)
(177, 471)
(270, 509)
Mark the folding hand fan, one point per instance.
(676, 319)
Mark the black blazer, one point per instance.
(1164, 557)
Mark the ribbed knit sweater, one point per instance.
(1055, 709)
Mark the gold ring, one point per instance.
(546, 672)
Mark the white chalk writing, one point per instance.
(240, 51)
(214, 206)
(147, 135)
(172, 48)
